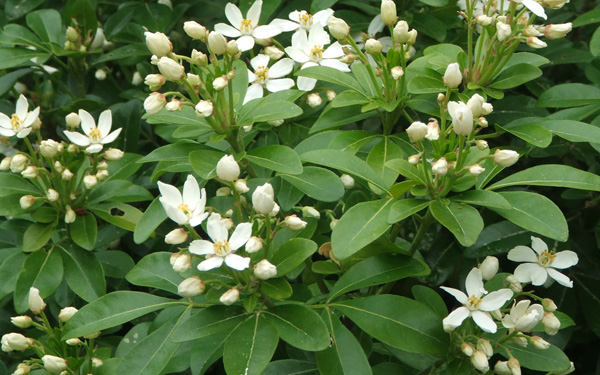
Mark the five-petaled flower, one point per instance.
(223, 247)
(302, 21)
(269, 78)
(95, 137)
(187, 208)
(246, 29)
(475, 304)
(20, 122)
(541, 263)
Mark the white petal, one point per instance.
(281, 68)
(520, 308)
(254, 12)
(94, 148)
(260, 60)
(31, 117)
(522, 254)
(495, 300)
(484, 321)
(560, 278)
(453, 108)
(333, 51)
(227, 30)
(387, 42)
(202, 247)
(335, 64)
(216, 228)
(255, 91)
(105, 122)
(87, 121)
(305, 83)
(111, 137)
(538, 245)
(251, 76)
(22, 107)
(245, 43)
(5, 121)
(198, 219)
(458, 294)
(266, 31)
(297, 54)
(240, 235)
(531, 272)
(285, 25)
(474, 283)
(170, 193)
(210, 263)
(201, 204)
(191, 192)
(77, 138)
(237, 262)
(279, 84)
(173, 213)
(24, 132)
(318, 36)
(322, 16)
(535, 8)
(294, 16)
(7, 132)
(300, 40)
(565, 259)
(234, 15)
(456, 317)
(376, 26)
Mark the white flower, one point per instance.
(302, 21)
(187, 208)
(263, 199)
(269, 78)
(452, 77)
(541, 263)
(36, 303)
(95, 137)
(204, 108)
(534, 7)
(246, 29)
(462, 118)
(474, 305)
(523, 317)
(20, 122)
(14, 341)
(54, 364)
(228, 169)
(310, 51)
(417, 131)
(222, 248)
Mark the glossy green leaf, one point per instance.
(152, 217)
(536, 213)
(574, 131)
(430, 298)
(209, 321)
(268, 110)
(131, 50)
(461, 219)
(299, 326)
(362, 224)
(332, 118)
(404, 208)
(406, 169)
(205, 162)
(569, 95)
(379, 269)
(17, 8)
(115, 263)
(19, 57)
(426, 85)
(112, 310)
(37, 235)
(119, 214)
(172, 152)
(14, 184)
(352, 140)
(318, 183)
(10, 270)
(292, 367)
(515, 75)
(551, 359)
(552, 175)
(398, 321)
(587, 18)
(482, 198)
(83, 272)
(155, 271)
(331, 75)
(84, 231)
(277, 158)
(291, 254)
(278, 288)
(348, 98)
(496, 239)
(47, 24)
(42, 270)
(533, 133)
(380, 154)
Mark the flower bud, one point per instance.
(155, 81)
(274, 53)
(232, 48)
(535, 42)
(489, 266)
(347, 181)
(481, 144)
(5, 163)
(241, 186)
(433, 131)
(401, 32)
(314, 100)
(199, 58)
(22, 321)
(92, 336)
(440, 167)
(195, 31)
(15, 341)
(329, 94)
(30, 172)
(501, 368)
(36, 303)
(220, 83)
(479, 361)
(549, 305)
(570, 370)
(230, 297)
(204, 108)
(294, 222)
(70, 215)
(476, 169)
(74, 341)
(154, 103)
(373, 46)
(275, 210)
(348, 58)
(462, 118)
(333, 223)
(67, 313)
(22, 369)
(539, 343)
(90, 181)
(223, 191)
(254, 244)
(72, 34)
(181, 262)
(388, 12)
(66, 174)
(531, 31)
(412, 39)
(97, 362)
(309, 211)
(176, 236)
(49, 148)
(417, 131)
(52, 195)
(503, 30)
(338, 28)
(514, 366)
(136, 79)
(505, 158)
(484, 20)
(228, 169)
(557, 31)
(414, 159)
(171, 69)
(264, 270)
(485, 346)
(54, 364)
(27, 201)
(467, 349)
(217, 43)
(158, 43)
(18, 163)
(191, 287)
(514, 284)
(113, 154)
(100, 74)
(263, 199)
(550, 323)
(397, 72)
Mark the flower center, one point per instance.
(95, 134)
(547, 257)
(15, 121)
(221, 248)
(246, 26)
(187, 211)
(306, 20)
(262, 73)
(316, 52)
(473, 302)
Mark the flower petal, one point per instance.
(279, 84)
(520, 308)
(538, 245)
(335, 64)
(322, 16)
(266, 31)
(484, 321)
(305, 83)
(254, 12)
(210, 263)
(245, 43)
(22, 107)
(234, 16)
(87, 121)
(318, 36)
(227, 30)
(333, 51)
(375, 26)
(560, 278)
(565, 259)
(535, 8)
(531, 272)
(216, 228)
(202, 247)
(7, 132)
(170, 193)
(172, 212)
(458, 294)
(24, 132)
(474, 283)
(198, 219)
(31, 117)
(240, 235)
(456, 317)
(5, 121)
(105, 123)
(281, 68)
(495, 300)
(237, 262)
(255, 91)
(297, 54)
(111, 137)
(285, 25)
(77, 138)
(260, 60)
(522, 254)
(191, 192)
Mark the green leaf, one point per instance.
(250, 346)
(299, 326)
(17, 8)
(426, 85)
(380, 154)
(277, 288)
(530, 130)
(155, 271)
(403, 208)
(268, 110)
(552, 175)
(569, 95)
(318, 183)
(346, 162)
(205, 162)
(37, 235)
(10, 270)
(124, 167)
(551, 359)
(277, 158)
(332, 118)
(345, 355)
(515, 76)
(187, 116)
(19, 57)
(536, 213)
(587, 18)
(331, 75)
(291, 254)
(496, 239)
(573, 131)
(42, 270)
(482, 198)
(119, 214)
(112, 310)
(379, 269)
(84, 231)
(150, 220)
(8, 80)
(172, 152)
(352, 140)
(595, 43)
(209, 321)
(430, 298)
(11, 184)
(291, 367)
(399, 322)
(348, 98)
(47, 24)
(407, 170)
(115, 263)
(83, 272)
(462, 220)
(131, 50)
(362, 224)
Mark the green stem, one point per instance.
(425, 223)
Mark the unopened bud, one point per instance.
(373, 46)
(314, 100)
(30, 172)
(176, 236)
(90, 181)
(113, 154)
(230, 297)
(401, 32)
(264, 270)
(154, 103)
(309, 211)
(52, 195)
(452, 77)
(72, 34)
(414, 159)
(479, 361)
(330, 94)
(36, 303)
(27, 201)
(217, 43)
(70, 215)
(274, 53)
(397, 72)
(171, 69)
(514, 366)
(338, 28)
(539, 343)
(481, 144)
(191, 287)
(228, 169)
(100, 74)
(294, 222)
(550, 323)
(195, 31)
(5, 163)
(489, 266)
(254, 244)
(467, 349)
(204, 108)
(549, 305)
(67, 313)
(22, 321)
(513, 284)
(154, 81)
(174, 105)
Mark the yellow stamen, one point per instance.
(221, 248)
(317, 52)
(262, 73)
(95, 134)
(473, 302)
(547, 257)
(246, 26)
(15, 121)
(306, 19)
(183, 207)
